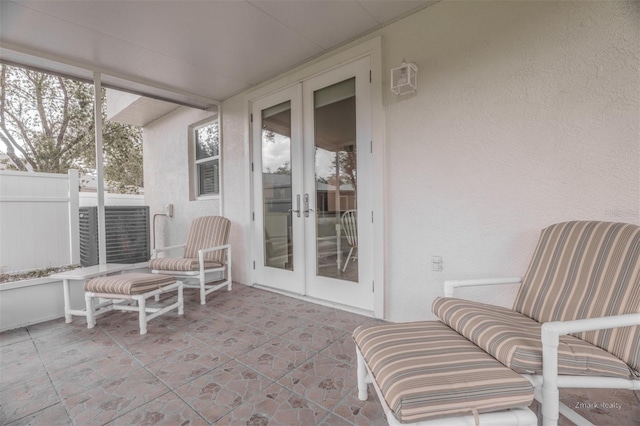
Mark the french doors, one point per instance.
(311, 175)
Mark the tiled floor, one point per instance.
(246, 357)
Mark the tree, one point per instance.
(46, 125)
(346, 162)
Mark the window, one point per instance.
(206, 138)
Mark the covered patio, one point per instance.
(247, 357)
(523, 114)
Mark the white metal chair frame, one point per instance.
(125, 302)
(546, 386)
(200, 274)
(349, 223)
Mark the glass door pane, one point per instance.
(277, 196)
(336, 181)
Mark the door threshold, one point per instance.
(317, 301)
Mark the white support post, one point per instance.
(201, 275)
(97, 117)
(362, 377)
(74, 220)
(229, 269)
(550, 392)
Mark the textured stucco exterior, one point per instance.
(166, 175)
(527, 113)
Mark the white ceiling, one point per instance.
(189, 51)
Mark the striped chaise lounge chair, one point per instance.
(575, 323)
(206, 251)
(129, 292)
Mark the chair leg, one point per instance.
(202, 289)
(347, 261)
(142, 306)
(362, 374)
(88, 300)
(180, 300)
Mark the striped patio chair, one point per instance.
(207, 257)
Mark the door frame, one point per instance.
(373, 49)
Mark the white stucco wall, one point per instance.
(166, 175)
(526, 114)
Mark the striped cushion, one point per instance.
(206, 232)
(587, 270)
(514, 340)
(131, 283)
(181, 264)
(426, 370)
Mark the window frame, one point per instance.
(195, 163)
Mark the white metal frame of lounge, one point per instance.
(122, 302)
(83, 274)
(546, 386)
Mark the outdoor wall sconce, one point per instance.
(404, 79)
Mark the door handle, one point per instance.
(297, 211)
(306, 205)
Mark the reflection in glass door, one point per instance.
(278, 223)
(276, 186)
(336, 188)
(337, 177)
(312, 187)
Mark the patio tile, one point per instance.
(187, 365)
(21, 371)
(235, 340)
(19, 351)
(333, 420)
(95, 372)
(166, 410)
(343, 349)
(346, 320)
(322, 380)
(314, 335)
(26, 398)
(310, 310)
(14, 336)
(280, 302)
(276, 358)
(54, 415)
(214, 324)
(162, 346)
(216, 393)
(224, 304)
(278, 322)
(363, 413)
(54, 334)
(276, 405)
(249, 312)
(114, 397)
(78, 353)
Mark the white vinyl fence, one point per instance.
(39, 224)
(38, 220)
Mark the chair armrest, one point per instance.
(555, 329)
(450, 285)
(201, 253)
(210, 249)
(168, 248)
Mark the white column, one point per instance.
(74, 220)
(97, 116)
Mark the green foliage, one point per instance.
(46, 125)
